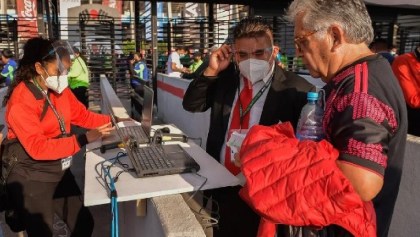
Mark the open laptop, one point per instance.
(152, 159)
(139, 134)
(159, 160)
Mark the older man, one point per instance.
(365, 120)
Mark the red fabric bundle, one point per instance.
(298, 183)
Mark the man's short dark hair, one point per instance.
(7, 53)
(251, 28)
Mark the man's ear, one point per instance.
(337, 36)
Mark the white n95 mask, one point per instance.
(56, 83)
(254, 69)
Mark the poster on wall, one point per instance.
(64, 7)
(113, 4)
(27, 23)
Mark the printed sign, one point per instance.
(27, 23)
(113, 4)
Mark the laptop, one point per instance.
(159, 160)
(138, 134)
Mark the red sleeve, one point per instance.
(407, 79)
(83, 117)
(25, 123)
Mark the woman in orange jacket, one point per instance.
(39, 111)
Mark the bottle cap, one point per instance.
(312, 96)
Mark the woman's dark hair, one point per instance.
(35, 50)
(7, 53)
(76, 50)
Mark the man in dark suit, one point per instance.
(243, 86)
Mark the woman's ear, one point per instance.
(39, 68)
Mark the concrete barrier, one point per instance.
(406, 218)
(170, 92)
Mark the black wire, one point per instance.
(102, 165)
(199, 188)
(196, 138)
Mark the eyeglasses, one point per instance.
(300, 40)
(243, 54)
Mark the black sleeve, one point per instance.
(200, 94)
(361, 129)
(82, 139)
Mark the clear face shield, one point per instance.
(64, 54)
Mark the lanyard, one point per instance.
(253, 101)
(60, 120)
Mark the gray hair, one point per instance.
(351, 15)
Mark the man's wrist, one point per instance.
(210, 73)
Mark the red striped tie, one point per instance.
(245, 98)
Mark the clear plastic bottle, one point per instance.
(310, 122)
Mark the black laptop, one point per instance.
(159, 160)
(139, 134)
(152, 159)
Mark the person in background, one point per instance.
(281, 58)
(141, 72)
(381, 46)
(243, 77)
(8, 73)
(393, 51)
(365, 125)
(406, 68)
(79, 78)
(173, 66)
(39, 111)
(197, 62)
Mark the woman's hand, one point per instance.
(95, 134)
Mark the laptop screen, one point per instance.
(147, 111)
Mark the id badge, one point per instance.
(235, 139)
(66, 163)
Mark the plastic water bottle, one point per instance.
(310, 122)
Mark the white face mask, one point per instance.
(56, 84)
(254, 69)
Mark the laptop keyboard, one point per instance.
(151, 158)
(135, 131)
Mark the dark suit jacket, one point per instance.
(284, 101)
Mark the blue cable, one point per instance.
(113, 195)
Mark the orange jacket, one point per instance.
(23, 114)
(406, 68)
(299, 184)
